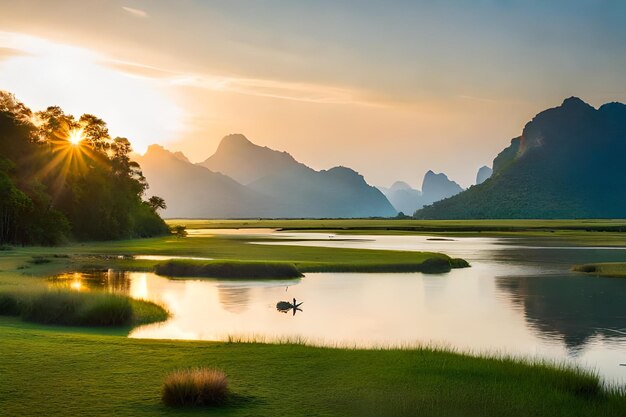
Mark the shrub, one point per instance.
(38, 260)
(588, 268)
(195, 387)
(9, 305)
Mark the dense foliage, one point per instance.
(64, 178)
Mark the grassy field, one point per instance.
(598, 232)
(60, 371)
(221, 247)
(609, 269)
(53, 370)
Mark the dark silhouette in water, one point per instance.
(285, 306)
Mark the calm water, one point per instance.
(516, 299)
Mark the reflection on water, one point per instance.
(514, 299)
(574, 308)
(111, 281)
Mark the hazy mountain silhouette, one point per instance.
(403, 197)
(483, 174)
(193, 191)
(434, 188)
(276, 185)
(246, 162)
(568, 163)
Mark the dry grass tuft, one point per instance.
(195, 387)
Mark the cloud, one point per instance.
(284, 90)
(10, 52)
(135, 12)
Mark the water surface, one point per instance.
(516, 299)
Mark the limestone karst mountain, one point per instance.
(568, 163)
(483, 174)
(435, 187)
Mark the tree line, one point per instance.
(64, 178)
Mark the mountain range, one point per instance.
(243, 180)
(435, 187)
(567, 163)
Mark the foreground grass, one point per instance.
(609, 269)
(61, 372)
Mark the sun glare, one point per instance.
(76, 136)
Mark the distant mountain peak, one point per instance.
(235, 140)
(484, 173)
(400, 185)
(181, 156)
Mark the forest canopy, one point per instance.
(65, 178)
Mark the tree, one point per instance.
(157, 203)
(179, 230)
(53, 188)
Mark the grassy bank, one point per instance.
(264, 269)
(227, 269)
(41, 261)
(609, 269)
(73, 308)
(269, 380)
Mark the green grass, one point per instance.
(103, 255)
(73, 308)
(604, 232)
(608, 269)
(64, 372)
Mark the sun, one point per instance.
(76, 136)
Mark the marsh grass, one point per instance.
(195, 387)
(72, 308)
(227, 269)
(607, 269)
(39, 260)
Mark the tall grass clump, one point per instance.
(227, 269)
(78, 309)
(72, 308)
(195, 387)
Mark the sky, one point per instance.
(389, 88)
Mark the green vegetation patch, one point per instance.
(280, 380)
(609, 269)
(73, 308)
(227, 269)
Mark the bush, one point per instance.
(195, 387)
(9, 305)
(38, 260)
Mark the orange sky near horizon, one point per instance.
(161, 74)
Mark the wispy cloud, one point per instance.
(10, 52)
(135, 12)
(284, 90)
